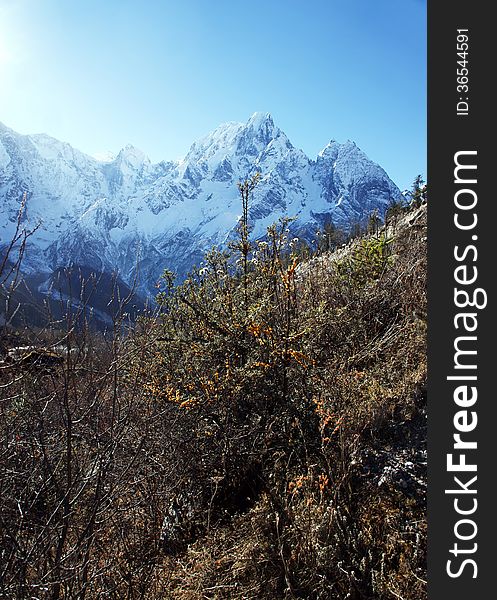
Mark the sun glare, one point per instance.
(11, 36)
(5, 55)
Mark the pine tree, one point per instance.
(419, 192)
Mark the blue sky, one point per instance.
(160, 74)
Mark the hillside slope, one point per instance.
(263, 438)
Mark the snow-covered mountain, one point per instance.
(125, 213)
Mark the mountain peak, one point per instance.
(132, 155)
(261, 128)
(260, 119)
(262, 123)
(333, 147)
(330, 150)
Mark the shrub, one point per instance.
(261, 437)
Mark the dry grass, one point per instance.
(264, 439)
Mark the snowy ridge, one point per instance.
(124, 212)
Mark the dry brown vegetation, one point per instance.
(262, 437)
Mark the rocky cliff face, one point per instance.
(124, 213)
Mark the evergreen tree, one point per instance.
(419, 191)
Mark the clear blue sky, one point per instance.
(159, 74)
